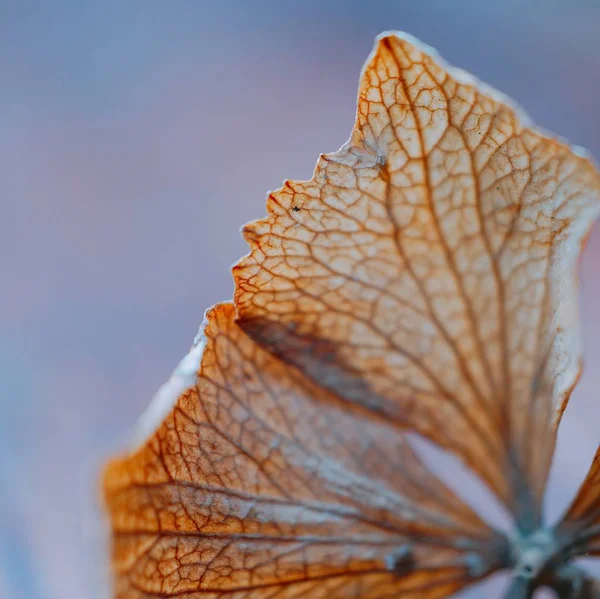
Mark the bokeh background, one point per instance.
(135, 138)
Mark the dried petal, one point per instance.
(260, 483)
(427, 271)
(580, 526)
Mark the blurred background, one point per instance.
(136, 138)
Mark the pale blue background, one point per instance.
(135, 138)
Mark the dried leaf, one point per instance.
(427, 270)
(259, 483)
(581, 524)
(423, 280)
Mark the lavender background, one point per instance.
(136, 137)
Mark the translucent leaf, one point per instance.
(581, 525)
(427, 271)
(259, 483)
(424, 279)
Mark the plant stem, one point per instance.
(520, 588)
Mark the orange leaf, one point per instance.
(424, 279)
(427, 270)
(260, 484)
(580, 527)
